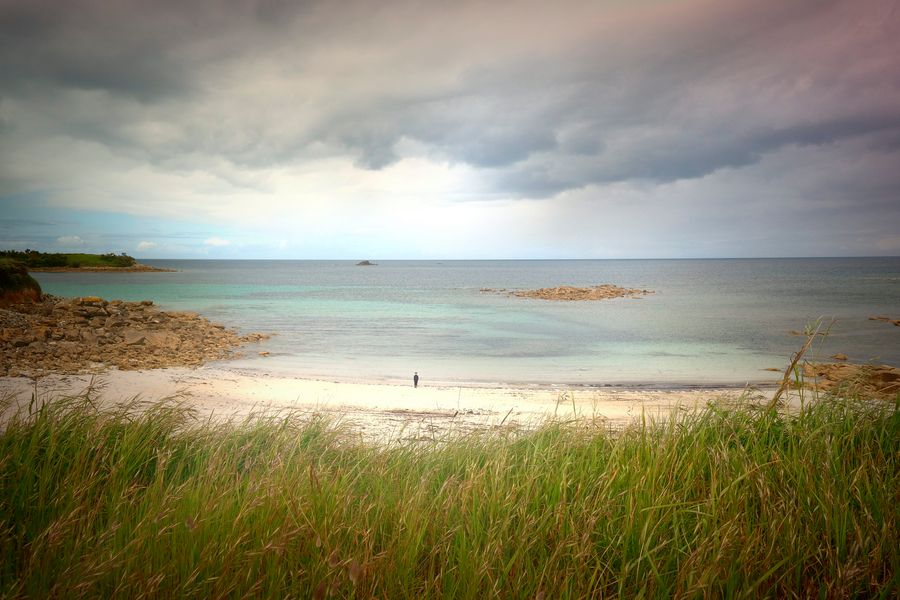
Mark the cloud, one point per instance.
(647, 92)
(217, 242)
(145, 245)
(70, 240)
(262, 114)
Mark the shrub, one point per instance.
(16, 285)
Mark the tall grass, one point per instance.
(143, 501)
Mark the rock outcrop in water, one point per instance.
(606, 291)
(884, 319)
(72, 335)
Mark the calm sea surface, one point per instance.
(710, 321)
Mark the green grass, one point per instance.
(35, 260)
(142, 501)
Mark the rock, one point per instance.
(72, 335)
(886, 374)
(881, 381)
(133, 337)
(163, 339)
(886, 319)
(839, 356)
(114, 321)
(569, 293)
(366, 263)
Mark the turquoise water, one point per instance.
(710, 322)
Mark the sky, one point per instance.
(404, 129)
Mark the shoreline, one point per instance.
(614, 385)
(373, 410)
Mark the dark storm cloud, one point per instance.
(46, 45)
(687, 98)
(670, 156)
(147, 50)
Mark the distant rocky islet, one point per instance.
(606, 291)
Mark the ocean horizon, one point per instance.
(710, 322)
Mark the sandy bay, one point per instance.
(374, 409)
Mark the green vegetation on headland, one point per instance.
(16, 285)
(728, 501)
(54, 260)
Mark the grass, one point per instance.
(143, 501)
(37, 260)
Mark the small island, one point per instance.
(606, 291)
(36, 261)
(366, 263)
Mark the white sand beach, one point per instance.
(374, 410)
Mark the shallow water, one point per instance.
(710, 322)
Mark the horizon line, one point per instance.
(532, 259)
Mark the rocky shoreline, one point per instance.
(79, 335)
(570, 293)
(878, 381)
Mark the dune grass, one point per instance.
(738, 501)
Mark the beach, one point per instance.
(126, 351)
(375, 410)
(345, 341)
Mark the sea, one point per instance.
(719, 322)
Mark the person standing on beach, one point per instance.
(416, 379)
